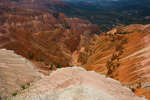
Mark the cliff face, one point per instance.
(41, 37)
(123, 55)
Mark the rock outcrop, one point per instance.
(76, 83)
(15, 71)
(122, 55)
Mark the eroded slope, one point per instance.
(76, 84)
(41, 37)
(123, 55)
(14, 72)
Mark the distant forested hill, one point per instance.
(107, 13)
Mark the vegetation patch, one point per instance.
(28, 84)
(14, 94)
(30, 56)
(58, 65)
(23, 86)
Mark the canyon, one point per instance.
(120, 56)
(42, 37)
(20, 78)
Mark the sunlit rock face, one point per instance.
(14, 72)
(76, 83)
(122, 54)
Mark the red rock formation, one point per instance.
(123, 56)
(33, 33)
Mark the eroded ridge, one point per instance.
(75, 83)
(14, 72)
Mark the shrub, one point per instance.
(28, 84)
(14, 94)
(30, 56)
(58, 65)
(41, 60)
(51, 68)
(23, 86)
